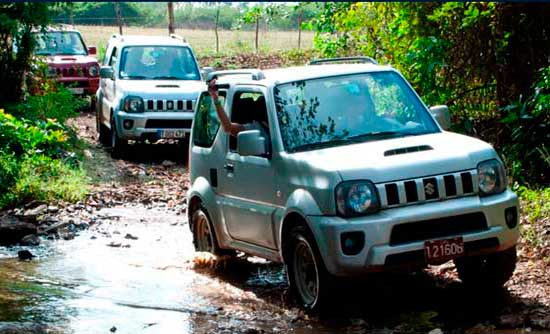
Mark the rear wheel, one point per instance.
(487, 271)
(204, 237)
(310, 282)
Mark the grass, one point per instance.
(535, 206)
(204, 41)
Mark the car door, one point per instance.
(108, 87)
(247, 183)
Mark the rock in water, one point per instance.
(12, 230)
(30, 240)
(25, 255)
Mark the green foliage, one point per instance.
(460, 54)
(46, 179)
(17, 21)
(535, 204)
(103, 13)
(59, 103)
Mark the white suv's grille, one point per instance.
(430, 188)
(169, 105)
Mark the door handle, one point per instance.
(229, 167)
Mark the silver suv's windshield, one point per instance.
(349, 109)
(59, 43)
(158, 63)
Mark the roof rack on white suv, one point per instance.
(361, 59)
(255, 73)
(174, 36)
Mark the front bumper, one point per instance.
(80, 85)
(378, 254)
(153, 124)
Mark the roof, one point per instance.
(296, 73)
(147, 40)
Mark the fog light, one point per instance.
(128, 124)
(352, 242)
(511, 217)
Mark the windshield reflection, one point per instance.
(158, 63)
(60, 43)
(349, 109)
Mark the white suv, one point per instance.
(148, 89)
(356, 175)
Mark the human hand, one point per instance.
(212, 89)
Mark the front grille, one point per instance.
(440, 187)
(75, 71)
(168, 124)
(438, 228)
(417, 257)
(169, 105)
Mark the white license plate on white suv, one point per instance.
(171, 134)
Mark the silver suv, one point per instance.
(357, 175)
(148, 89)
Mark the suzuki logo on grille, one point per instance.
(170, 104)
(429, 188)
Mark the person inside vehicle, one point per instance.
(259, 123)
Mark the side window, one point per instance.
(114, 58)
(249, 109)
(206, 122)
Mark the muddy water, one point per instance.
(135, 272)
(104, 279)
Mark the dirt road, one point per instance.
(134, 270)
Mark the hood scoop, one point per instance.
(405, 150)
(167, 86)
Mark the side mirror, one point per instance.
(205, 71)
(92, 50)
(441, 114)
(106, 72)
(250, 143)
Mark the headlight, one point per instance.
(93, 71)
(133, 104)
(356, 198)
(491, 177)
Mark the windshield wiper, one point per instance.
(376, 135)
(135, 77)
(167, 77)
(323, 144)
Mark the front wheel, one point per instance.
(204, 237)
(118, 145)
(309, 280)
(487, 271)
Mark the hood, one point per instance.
(388, 160)
(162, 89)
(61, 60)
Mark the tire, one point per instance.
(118, 145)
(488, 271)
(103, 132)
(310, 282)
(204, 237)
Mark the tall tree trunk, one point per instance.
(257, 31)
(299, 29)
(216, 30)
(171, 27)
(118, 17)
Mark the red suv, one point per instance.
(68, 58)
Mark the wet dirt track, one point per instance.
(134, 271)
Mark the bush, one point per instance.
(46, 179)
(36, 162)
(23, 137)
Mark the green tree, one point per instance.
(18, 20)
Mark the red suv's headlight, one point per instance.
(93, 70)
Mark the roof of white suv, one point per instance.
(136, 40)
(290, 74)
